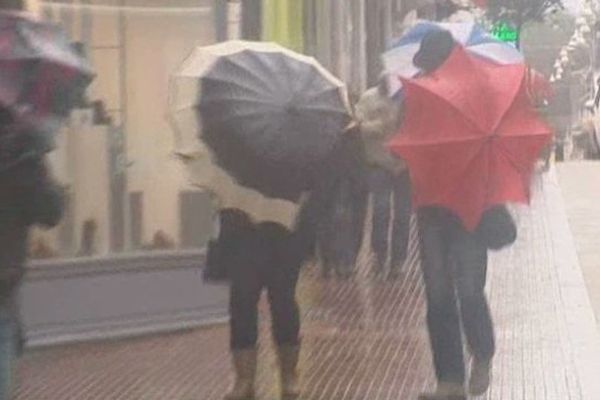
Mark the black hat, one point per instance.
(435, 48)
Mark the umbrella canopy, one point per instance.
(398, 59)
(41, 74)
(470, 136)
(270, 117)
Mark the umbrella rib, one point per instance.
(268, 67)
(245, 115)
(325, 90)
(232, 83)
(437, 142)
(468, 166)
(324, 109)
(507, 153)
(222, 100)
(454, 107)
(258, 77)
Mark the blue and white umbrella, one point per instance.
(398, 59)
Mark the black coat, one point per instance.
(28, 196)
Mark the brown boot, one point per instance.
(288, 363)
(244, 363)
(446, 391)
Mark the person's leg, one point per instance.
(443, 320)
(324, 251)
(380, 187)
(358, 206)
(282, 278)
(246, 285)
(470, 257)
(401, 222)
(8, 342)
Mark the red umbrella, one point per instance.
(42, 77)
(470, 136)
(41, 74)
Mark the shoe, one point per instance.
(288, 369)
(479, 382)
(446, 391)
(244, 363)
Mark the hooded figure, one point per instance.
(380, 116)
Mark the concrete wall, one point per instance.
(107, 298)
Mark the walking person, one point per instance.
(271, 139)
(454, 240)
(260, 256)
(28, 196)
(389, 182)
(268, 255)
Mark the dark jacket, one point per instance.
(345, 176)
(28, 196)
(237, 228)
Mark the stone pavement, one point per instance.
(365, 338)
(580, 183)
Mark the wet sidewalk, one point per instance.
(365, 338)
(580, 183)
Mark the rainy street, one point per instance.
(299, 199)
(366, 339)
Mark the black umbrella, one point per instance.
(270, 117)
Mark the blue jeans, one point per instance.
(8, 341)
(454, 266)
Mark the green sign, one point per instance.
(505, 32)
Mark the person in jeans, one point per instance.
(454, 267)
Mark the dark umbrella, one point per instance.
(41, 76)
(269, 116)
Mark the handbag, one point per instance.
(215, 269)
(497, 229)
(233, 227)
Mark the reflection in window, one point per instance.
(126, 190)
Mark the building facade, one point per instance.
(134, 47)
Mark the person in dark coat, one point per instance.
(28, 196)
(341, 229)
(254, 250)
(388, 181)
(454, 265)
